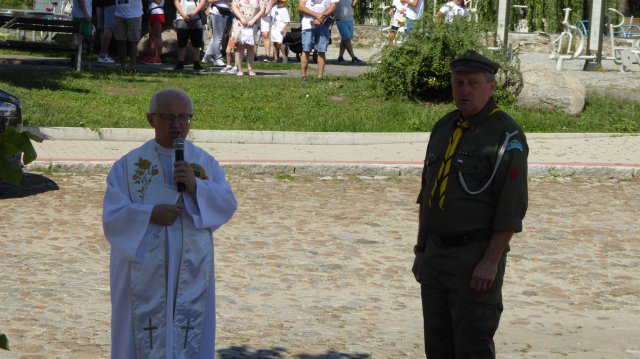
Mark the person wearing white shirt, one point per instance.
(127, 29)
(413, 12)
(280, 21)
(451, 9)
(159, 215)
(399, 21)
(315, 32)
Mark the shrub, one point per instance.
(419, 69)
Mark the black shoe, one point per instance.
(340, 59)
(179, 66)
(356, 61)
(197, 66)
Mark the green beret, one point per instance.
(472, 61)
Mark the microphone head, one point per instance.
(178, 143)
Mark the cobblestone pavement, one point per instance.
(320, 268)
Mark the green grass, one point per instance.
(98, 99)
(16, 4)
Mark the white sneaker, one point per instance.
(233, 71)
(239, 73)
(226, 69)
(105, 60)
(218, 62)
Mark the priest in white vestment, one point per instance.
(159, 216)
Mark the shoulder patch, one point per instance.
(515, 145)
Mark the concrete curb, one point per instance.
(269, 137)
(369, 170)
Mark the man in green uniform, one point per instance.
(473, 199)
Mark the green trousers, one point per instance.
(458, 322)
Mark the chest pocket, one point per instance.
(475, 167)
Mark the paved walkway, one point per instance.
(317, 268)
(370, 154)
(593, 155)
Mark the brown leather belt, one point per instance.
(462, 240)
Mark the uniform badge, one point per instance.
(199, 171)
(515, 145)
(515, 172)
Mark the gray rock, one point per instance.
(545, 88)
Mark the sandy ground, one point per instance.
(320, 268)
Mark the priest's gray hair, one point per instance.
(168, 94)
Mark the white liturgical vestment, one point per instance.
(162, 277)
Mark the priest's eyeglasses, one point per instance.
(183, 118)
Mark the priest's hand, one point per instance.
(165, 214)
(183, 172)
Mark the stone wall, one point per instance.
(364, 35)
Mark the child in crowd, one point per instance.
(398, 21)
(156, 20)
(245, 30)
(266, 25)
(280, 21)
(450, 10)
(230, 47)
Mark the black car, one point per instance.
(10, 116)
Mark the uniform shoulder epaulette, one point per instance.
(509, 123)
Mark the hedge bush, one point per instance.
(419, 68)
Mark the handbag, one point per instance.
(224, 11)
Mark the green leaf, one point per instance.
(4, 342)
(11, 143)
(10, 172)
(29, 153)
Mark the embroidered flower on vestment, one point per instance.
(143, 175)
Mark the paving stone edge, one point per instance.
(368, 170)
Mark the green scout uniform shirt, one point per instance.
(503, 204)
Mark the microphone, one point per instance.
(178, 146)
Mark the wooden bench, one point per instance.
(48, 23)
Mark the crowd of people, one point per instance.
(238, 27)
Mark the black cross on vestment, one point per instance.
(150, 329)
(186, 332)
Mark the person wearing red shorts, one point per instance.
(156, 20)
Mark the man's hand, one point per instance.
(485, 271)
(483, 275)
(183, 172)
(165, 214)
